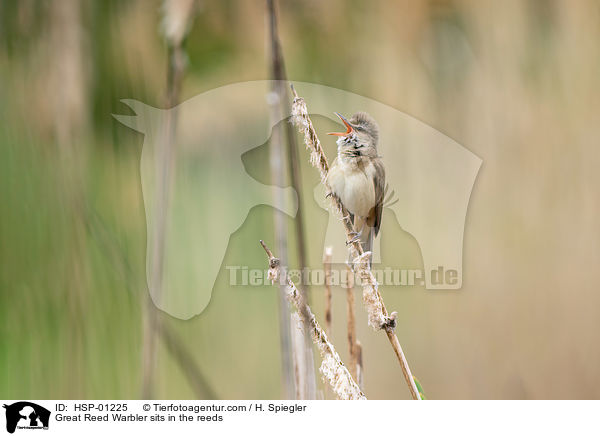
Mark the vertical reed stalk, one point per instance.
(68, 81)
(354, 346)
(351, 317)
(279, 109)
(178, 15)
(327, 267)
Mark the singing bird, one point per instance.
(357, 176)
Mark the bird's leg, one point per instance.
(359, 225)
(352, 233)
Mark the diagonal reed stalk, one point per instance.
(377, 312)
(332, 368)
(179, 350)
(187, 362)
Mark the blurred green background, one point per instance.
(515, 82)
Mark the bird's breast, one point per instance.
(353, 186)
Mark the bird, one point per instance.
(357, 176)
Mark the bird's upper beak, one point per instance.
(346, 123)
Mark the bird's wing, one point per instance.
(379, 182)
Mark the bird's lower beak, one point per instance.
(349, 127)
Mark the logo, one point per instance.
(26, 415)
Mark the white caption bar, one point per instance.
(23, 417)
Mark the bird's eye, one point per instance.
(360, 129)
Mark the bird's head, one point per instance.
(360, 137)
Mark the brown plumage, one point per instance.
(357, 175)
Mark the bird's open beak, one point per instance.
(346, 123)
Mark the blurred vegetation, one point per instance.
(515, 82)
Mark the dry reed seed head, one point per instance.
(340, 380)
(298, 111)
(314, 158)
(291, 291)
(361, 266)
(332, 368)
(376, 316)
(177, 19)
(302, 121)
(377, 320)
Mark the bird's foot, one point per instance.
(355, 237)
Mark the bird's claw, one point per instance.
(354, 239)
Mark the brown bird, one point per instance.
(357, 176)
